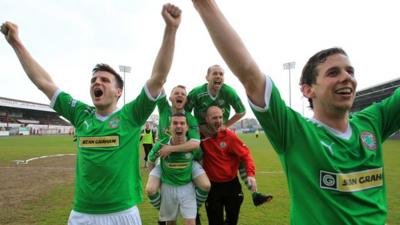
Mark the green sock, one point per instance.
(201, 196)
(243, 175)
(155, 200)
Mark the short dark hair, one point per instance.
(179, 114)
(107, 68)
(178, 86)
(310, 73)
(209, 68)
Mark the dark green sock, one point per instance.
(155, 200)
(201, 196)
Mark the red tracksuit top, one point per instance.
(222, 155)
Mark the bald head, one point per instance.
(214, 118)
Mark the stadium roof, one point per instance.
(373, 94)
(13, 103)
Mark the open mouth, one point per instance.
(179, 101)
(344, 91)
(98, 93)
(179, 133)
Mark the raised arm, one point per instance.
(232, 50)
(162, 65)
(234, 119)
(35, 72)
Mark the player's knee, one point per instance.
(203, 182)
(151, 189)
(206, 184)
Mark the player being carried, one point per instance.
(178, 100)
(216, 93)
(177, 190)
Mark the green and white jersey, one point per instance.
(200, 100)
(164, 124)
(176, 168)
(107, 169)
(333, 178)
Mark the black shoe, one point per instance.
(259, 199)
(198, 222)
(162, 223)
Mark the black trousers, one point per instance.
(226, 196)
(147, 148)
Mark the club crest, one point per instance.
(368, 140)
(114, 123)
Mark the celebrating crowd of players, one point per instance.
(200, 157)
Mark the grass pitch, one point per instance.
(41, 193)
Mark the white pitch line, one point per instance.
(25, 162)
(39, 167)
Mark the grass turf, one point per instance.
(53, 204)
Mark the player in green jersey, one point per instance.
(333, 161)
(178, 100)
(177, 190)
(216, 93)
(108, 184)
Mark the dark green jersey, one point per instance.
(107, 168)
(176, 168)
(165, 113)
(200, 100)
(332, 179)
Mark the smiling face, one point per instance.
(178, 97)
(104, 90)
(335, 86)
(215, 78)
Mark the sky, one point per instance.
(68, 37)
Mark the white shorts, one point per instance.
(197, 170)
(156, 171)
(177, 199)
(130, 216)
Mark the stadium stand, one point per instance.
(374, 94)
(19, 117)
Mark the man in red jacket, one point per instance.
(223, 151)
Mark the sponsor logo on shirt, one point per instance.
(350, 182)
(114, 123)
(177, 165)
(221, 102)
(368, 140)
(99, 142)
